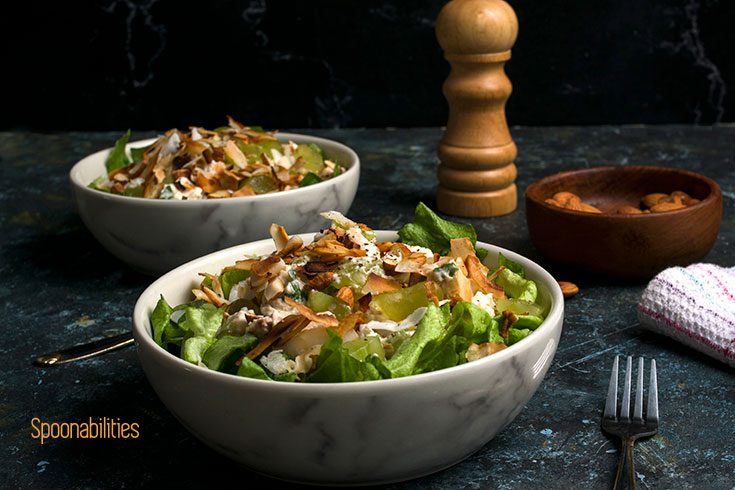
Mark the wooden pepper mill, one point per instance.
(476, 171)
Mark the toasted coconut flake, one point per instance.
(208, 185)
(376, 284)
(430, 289)
(220, 194)
(349, 322)
(279, 235)
(244, 265)
(495, 274)
(325, 319)
(320, 281)
(331, 251)
(478, 351)
(478, 274)
(216, 286)
(245, 190)
(269, 266)
(234, 154)
(314, 267)
(411, 262)
(213, 297)
(509, 318)
(364, 302)
(271, 337)
(292, 331)
(385, 247)
(346, 295)
(498, 292)
(199, 294)
(294, 244)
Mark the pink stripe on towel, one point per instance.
(694, 306)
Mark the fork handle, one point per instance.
(626, 452)
(631, 462)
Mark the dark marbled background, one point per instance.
(152, 64)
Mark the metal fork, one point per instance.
(620, 424)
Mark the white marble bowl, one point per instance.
(154, 235)
(359, 433)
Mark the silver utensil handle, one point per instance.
(84, 351)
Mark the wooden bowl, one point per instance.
(630, 246)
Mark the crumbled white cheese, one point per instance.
(427, 252)
(390, 326)
(235, 291)
(338, 218)
(277, 310)
(484, 301)
(368, 264)
(236, 324)
(277, 363)
(358, 238)
(170, 191)
(171, 145)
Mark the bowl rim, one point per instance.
(714, 195)
(142, 335)
(343, 178)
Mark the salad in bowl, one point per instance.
(229, 161)
(348, 307)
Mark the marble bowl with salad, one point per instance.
(158, 203)
(350, 356)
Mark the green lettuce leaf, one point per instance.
(161, 320)
(516, 335)
(226, 350)
(516, 286)
(193, 349)
(231, 277)
(137, 153)
(249, 369)
(336, 365)
(470, 321)
(117, 157)
(513, 266)
(97, 183)
(528, 321)
(309, 179)
(430, 231)
(287, 377)
(431, 327)
(201, 320)
(493, 330)
(442, 353)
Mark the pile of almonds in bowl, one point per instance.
(569, 200)
(651, 203)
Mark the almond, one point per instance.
(568, 289)
(565, 198)
(587, 208)
(629, 210)
(651, 200)
(667, 206)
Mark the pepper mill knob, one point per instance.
(476, 170)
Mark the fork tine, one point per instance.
(638, 411)
(625, 405)
(652, 410)
(611, 405)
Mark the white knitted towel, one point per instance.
(694, 305)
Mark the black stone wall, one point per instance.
(154, 64)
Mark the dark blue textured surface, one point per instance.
(60, 288)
